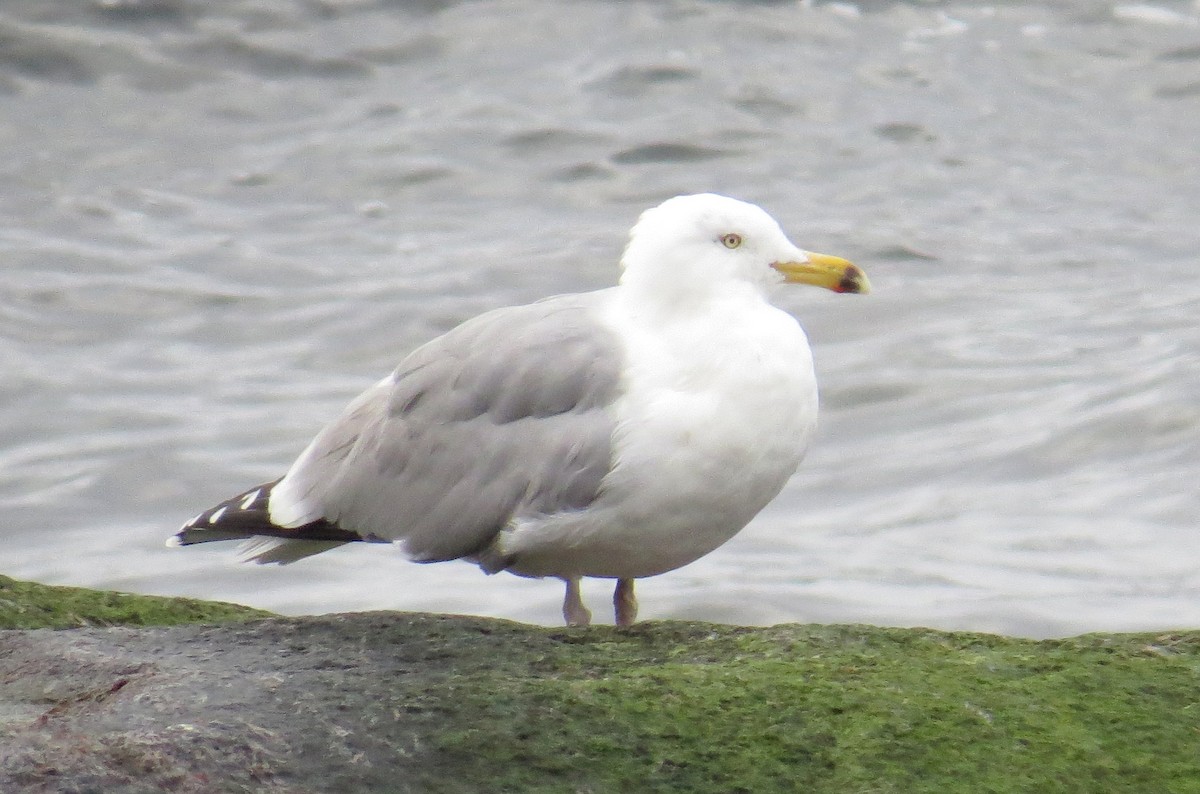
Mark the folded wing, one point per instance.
(506, 416)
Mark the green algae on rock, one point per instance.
(28, 605)
(422, 703)
(849, 708)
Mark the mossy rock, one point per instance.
(424, 703)
(28, 605)
(698, 708)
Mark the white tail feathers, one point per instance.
(281, 551)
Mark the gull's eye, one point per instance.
(731, 240)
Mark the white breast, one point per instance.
(717, 412)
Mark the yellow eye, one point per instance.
(731, 240)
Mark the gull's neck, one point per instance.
(683, 300)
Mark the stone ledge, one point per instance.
(414, 702)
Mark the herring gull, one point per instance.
(619, 434)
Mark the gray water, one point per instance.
(221, 220)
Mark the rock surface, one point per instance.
(415, 702)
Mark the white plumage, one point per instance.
(620, 433)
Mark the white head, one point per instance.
(710, 244)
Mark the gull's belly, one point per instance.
(692, 468)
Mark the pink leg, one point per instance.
(625, 602)
(574, 612)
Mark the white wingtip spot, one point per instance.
(216, 516)
(174, 542)
(249, 500)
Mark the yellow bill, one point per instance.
(822, 270)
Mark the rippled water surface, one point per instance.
(221, 220)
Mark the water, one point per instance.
(221, 220)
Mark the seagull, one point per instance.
(620, 433)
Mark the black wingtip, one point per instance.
(248, 515)
(240, 517)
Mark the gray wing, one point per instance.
(506, 416)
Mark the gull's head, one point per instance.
(708, 242)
